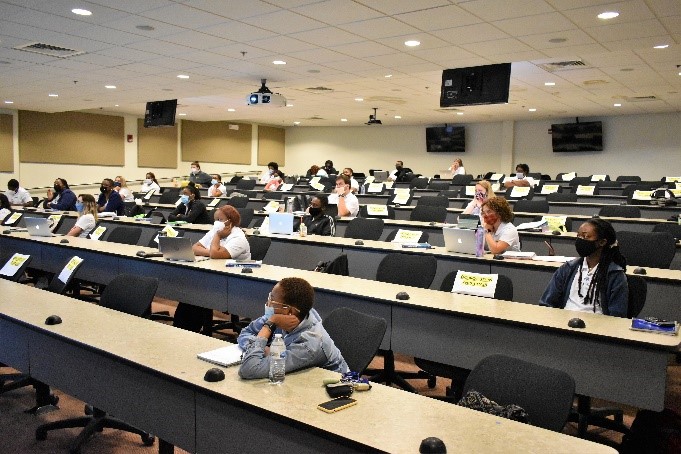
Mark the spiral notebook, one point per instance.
(223, 356)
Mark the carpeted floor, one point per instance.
(17, 429)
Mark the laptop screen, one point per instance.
(468, 221)
(281, 223)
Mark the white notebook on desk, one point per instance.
(223, 356)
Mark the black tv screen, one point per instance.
(587, 136)
(476, 85)
(160, 113)
(446, 139)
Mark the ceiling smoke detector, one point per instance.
(373, 120)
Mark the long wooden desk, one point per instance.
(147, 374)
(431, 324)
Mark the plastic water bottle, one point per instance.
(289, 205)
(479, 242)
(303, 228)
(277, 360)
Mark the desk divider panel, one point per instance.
(14, 345)
(528, 283)
(299, 255)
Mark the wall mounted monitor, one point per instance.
(160, 113)
(446, 139)
(583, 136)
(487, 84)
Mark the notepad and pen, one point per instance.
(243, 263)
(223, 356)
(655, 325)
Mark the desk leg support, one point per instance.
(164, 447)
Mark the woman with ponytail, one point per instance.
(594, 282)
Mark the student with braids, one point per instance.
(594, 282)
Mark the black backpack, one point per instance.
(653, 432)
(338, 266)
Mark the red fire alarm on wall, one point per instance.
(129, 138)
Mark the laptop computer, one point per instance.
(39, 226)
(458, 240)
(380, 176)
(468, 221)
(178, 249)
(281, 223)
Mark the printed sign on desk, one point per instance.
(314, 181)
(148, 195)
(388, 184)
(496, 176)
(641, 195)
(214, 202)
(401, 198)
(555, 222)
(407, 236)
(672, 179)
(476, 284)
(13, 265)
(569, 176)
(550, 188)
(272, 206)
(470, 190)
(97, 233)
(55, 218)
(585, 190)
(598, 177)
(68, 269)
(317, 185)
(520, 191)
(13, 218)
(377, 210)
(286, 187)
(169, 231)
(375, 187)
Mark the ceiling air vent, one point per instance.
(553, 66)
(319, 89)
(314, 118)
(50, 49)
(640, 98)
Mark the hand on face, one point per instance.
(224, 233)
(287, 322)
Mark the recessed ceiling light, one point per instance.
(661, 46)
(182, 115)
(53, 95)
(9, 102)
(359, 99)
(279, 62)
(146, 28)
(296, 122)
(344, 119)
(288, 105)
(549, 84)
(388, 76)
(532, 110)
(459, 113)
(115, 105)
(111, 87)
(182, 76)
(617, 105)
(81, 12)
(412, 43)
(608, 15)
(231, 110)
(397, 117)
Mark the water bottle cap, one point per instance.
(278, 335)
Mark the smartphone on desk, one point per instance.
(338, 404)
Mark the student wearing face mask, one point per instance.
(500, 234)
(198, 176)
(354, 185)
(17, 195)
(400, 172)
(276, 181)
(191, 209)
(109, 200)
(225, 240)
(596, 281)
(289, 312)
(318, 222)
(150, 184)
(483, 192)
(61, 198)
(347, 202)
(121, 186)
(86, 206)
(216, 189)
(269, 173)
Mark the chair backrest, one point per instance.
(580, 181)
(427, 213)
(415, 270)
(130, 293)
(531, 206)
(433, 200)
(628, 178)
(273, 195)
(654, 249)
(18, 272)
(238, 202)
(504, 290)
(157, 217)
(438, 185)
(418, 183)
(545, 393)
(259, 246)
(235, 179)
(363, 212)
(245, 184)
(246, 217)
(364, 229)
(620, 211)
(391, 236)
(462, 180)
(451, 193)
(56, 285)
(609, 184)
(169, 195)
(638, 292)
(124, 235)
(561, 197)
(357, 335)
(674, 229)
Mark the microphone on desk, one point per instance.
(432, 445)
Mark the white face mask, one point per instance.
(195, 170)
(147, 181)
(218, 225)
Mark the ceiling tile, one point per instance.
(537, 24)
(383, 27)
(438, 18)
(284, 22)
(336, 12)
(237, 31)
(494, 10)
(402, 6)
(471, 34)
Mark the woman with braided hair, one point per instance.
(594, 282)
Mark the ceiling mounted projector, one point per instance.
(373, 120)
(264, 97)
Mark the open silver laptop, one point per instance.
(39, 226)
(458, 240)
(380, 176)
(281, 223)
(178, 249)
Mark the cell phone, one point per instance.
(338, 404)
(660, 322)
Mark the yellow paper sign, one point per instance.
(13, 264)
(585, 190)
(55, 218)
(388, 184)
(407, 236)
(377, 210)
(169, 231)
(569, 176)
(148, 195)
(13, 218)
(314, 181)
(470, 190)
(555, 222)
(672, 179)
(375, 187)
(641, 195)
(598, 177)
(496, 176)
(369, 179)
(520, 191)
(475, 284)
(97, 233)
(401, 198)
(68, 269)
(550, 188)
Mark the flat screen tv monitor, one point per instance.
(476, 85)
(583, 136)
(160, 113)
(446, 139)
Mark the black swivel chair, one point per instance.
(418, 183)
(246, 216)
(436, 201)
(654, 250)
(620, 211)
(674, 229)
(157, 217)
(126, 293)
(624, 178)
(461, 180)
(244, 184)
(271, 195)
(238, 201)
(398, 268)
(531, 206)
(546, 394)
(451, 193)
(427, 213)
(169, 195)
(364, 229)
(561, 197)
(357, 335)
(438, 185)
(57, 285)
(124, 235)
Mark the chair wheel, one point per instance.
(54, 399)
(432, 381)
(88, 410)
(40, 434)
(148, 439)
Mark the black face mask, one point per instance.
(398, 167)
(57, 188)
(314, 212)
(585, 247)
(102, 189)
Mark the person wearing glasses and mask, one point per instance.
(347, 202)
(500, 234)
(318, 222)
(62, 198)
(289, 312)
(191, 209)
(17, 195)
(109, 200)
(224, 241)
(483, 192)
(595, 282)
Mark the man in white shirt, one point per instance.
(17, 195)
(520, 179)
(347, 202)
(354, 185)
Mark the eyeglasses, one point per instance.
(277, 305)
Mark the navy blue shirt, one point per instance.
(115, 203)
